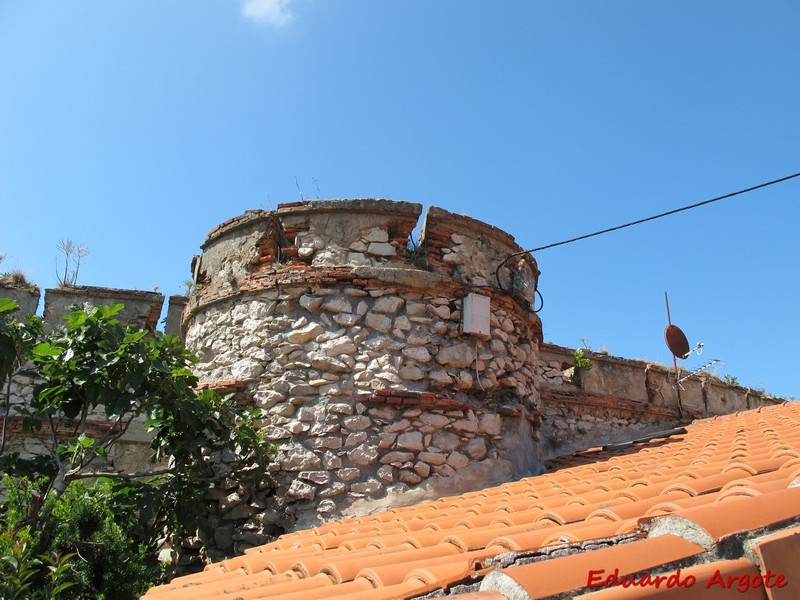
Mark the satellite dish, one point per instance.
(676, 341)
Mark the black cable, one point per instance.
(653, 218)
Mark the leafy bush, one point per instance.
(100, 540)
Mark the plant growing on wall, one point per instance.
(581, 361)
(18, 280)
(417, 253)
(73, 255)
(94, 364)
(730, 379)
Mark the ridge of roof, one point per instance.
(719, 499)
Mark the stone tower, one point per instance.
(387, 371)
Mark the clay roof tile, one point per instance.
(726, 476)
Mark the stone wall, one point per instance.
(618, 399)
(141, 310)
(27, 298)
(351, 344)
(349, 337)
(174, 318)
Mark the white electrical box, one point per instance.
(475, 316)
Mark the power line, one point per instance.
(666, 214)
(653, 218)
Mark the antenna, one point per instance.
(679, 347)
(676, 339)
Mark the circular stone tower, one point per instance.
(388, 371)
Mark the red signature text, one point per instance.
(599, 578)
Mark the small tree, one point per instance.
(96, 366)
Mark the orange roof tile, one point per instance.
(647, 509)
(779, 553)
(567, 573)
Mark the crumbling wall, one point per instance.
(350, 343)
(26, 297)
(347, 335)
(619, 399)
(141, 310)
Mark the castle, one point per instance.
(390, 370)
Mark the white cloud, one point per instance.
(273, 12)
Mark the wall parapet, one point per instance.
(141, 309)
(26, 297)
(260, 248)
(618, 398)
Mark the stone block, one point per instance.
(456, 460)
(434, 420)
(409, 477)
(363, 455)
(386, 440)
(357, 423)
(375, 234)
(401, 425)
(367, 487)
(305, 334)
(354, 439)
(381, 249)
(348, 474)
(301, 490)
(459, 355)
(445, 440)
(334, 489)
(417, 353)
(412, 373)
(433, 458)
(310, 303)
(386, 473)
(337, 305)
(410, 440)
(299, 459)
(388, 305)
(320, 477)
(341, 345)
(422, 469)
(396, 457)
(476, 448)
(377, 322)
(341, 408)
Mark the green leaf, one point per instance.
(183, 372)
(133, 336)
(7, 305)
(45, 349)
(60, 588)
(84, 441)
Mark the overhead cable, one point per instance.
(653, 218)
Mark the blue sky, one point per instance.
(135, 127)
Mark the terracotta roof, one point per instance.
(714, 506)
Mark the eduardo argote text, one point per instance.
(600, 578)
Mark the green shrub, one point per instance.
(96, 548)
